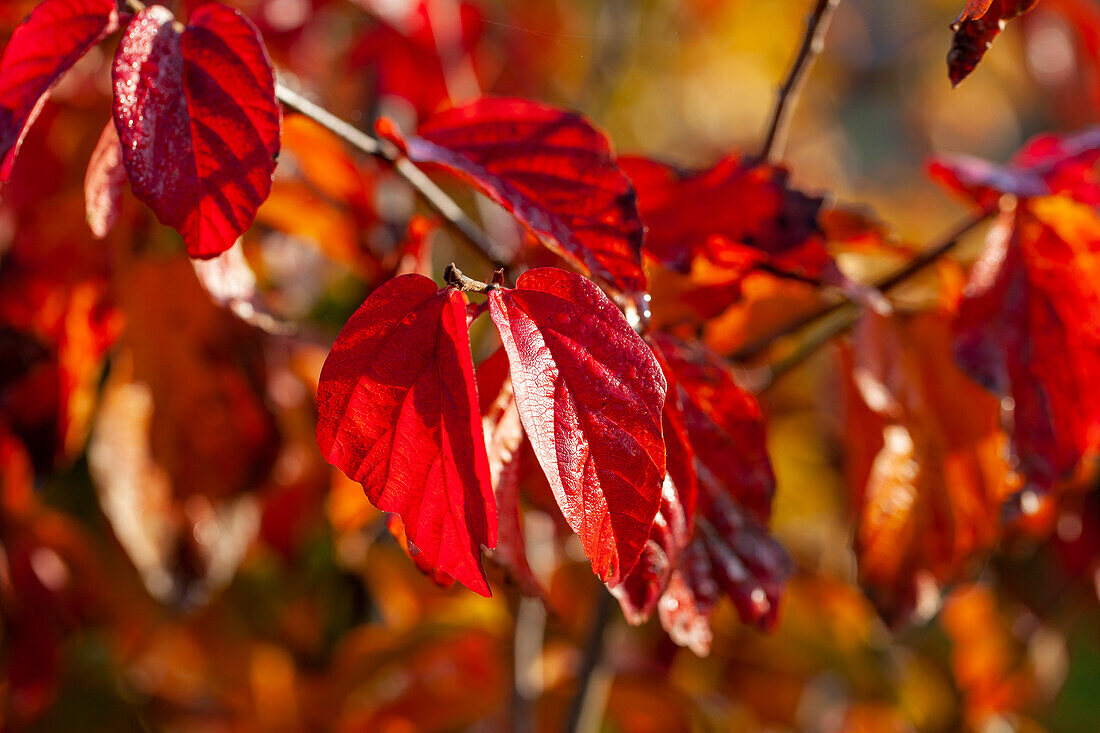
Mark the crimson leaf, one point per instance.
(198, 120)
(975, 30)
(590, 396)
(398, 412)
(43, 47)
(552, 170)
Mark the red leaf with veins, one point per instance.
(724, 423)
(552, 170)
(398, 412)
(686, 606)
(43, 47)
(198, 120)
(103, 183)
(975, 30)
(737, 213)
(590, 396)
(642, 587)
(1028, 329)
(679, 454)
(503, 439)
(1047, 164)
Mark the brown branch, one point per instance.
(813, 42)
(846, 313)
(585, 698)
(435, 197)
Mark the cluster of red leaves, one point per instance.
(627, 433)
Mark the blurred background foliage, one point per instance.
(177, 555)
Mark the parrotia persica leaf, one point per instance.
(552, 170)
(733, 212)
(590, 396)
(42, 48)
(198, 120)
(1028, 329)
(724, 423)
(640, 591)
(1048, 164)
(103, 183)
(738, 216)
(925, 455)
(398, 412)
(975, 30)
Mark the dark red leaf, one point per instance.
(692, 214)
(724, 423)
(198, 120)
(398, 412)
(1048, 164)
(1028, 329)
(43, 47)
(103, 183)
(590, 395)
(686, 606)
(642, 588)
(552, 170)
(679, 454)
(975, 30)
(422, 52)
(503, 440)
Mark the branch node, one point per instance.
(456, 279)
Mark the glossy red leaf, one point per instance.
(1028, 329)
(198, 120)
(398, 412)
(679, 454)
(686, 606)
(503, 440)
(641, 589)
(1046, 165)
(552, 170)
(590, 396)
(737, 212)
(43, 47)
(103, 183)
(724, 423)
(975, 30)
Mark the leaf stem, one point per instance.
(435, 197)
(813, 42)
(583, 708)
(846, 313)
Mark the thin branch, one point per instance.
(435, 197)
(813, 42)
(585, 700)
(846, 313)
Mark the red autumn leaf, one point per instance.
(688, 602)
(398, 412)
(422, 51)
(925, 458)
(641, 589)
(198, 120)
(737, 212)
(1028, 329)
(734, 218)
(724, 423)
(103, 183)
(679, 455)
(552, 170)
(43, 47)
(503, 441)
(1047, 164)
(975, 30)
(671, 532)
(590, 395)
